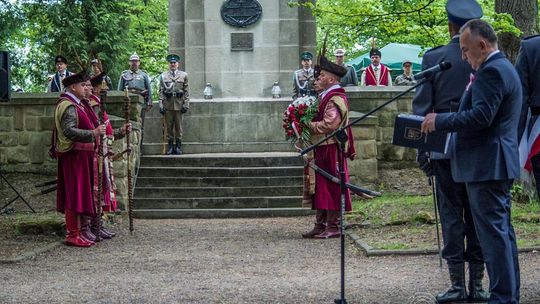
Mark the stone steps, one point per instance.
(219, 185)
(213, 147)
(218, 181)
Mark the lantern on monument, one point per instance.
(208, 92)
(276, 90)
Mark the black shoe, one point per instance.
(171, 147)
(178, 148)
(476, 291)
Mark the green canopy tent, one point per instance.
(393, 56)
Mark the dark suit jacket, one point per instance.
(528, 67)
(445, 88)
(485, 146)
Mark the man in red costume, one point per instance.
(333, 113)
(75, 140)
(90, 227)
(376, 74)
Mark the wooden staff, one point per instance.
(127, 109)
(101, 158)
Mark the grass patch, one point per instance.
(395, 221)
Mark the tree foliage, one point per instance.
(81, 30)
(354, 24)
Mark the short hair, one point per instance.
(480, 28)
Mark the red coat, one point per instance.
(77, 167)
(328, 194)
(371, 79)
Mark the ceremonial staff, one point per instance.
(127, 108)
(101, 158)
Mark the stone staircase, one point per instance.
(219, 185)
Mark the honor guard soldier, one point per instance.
(303, 79)
(136, 80)
(442, 94)
(55, 81)
(350, 79)
(174, 102)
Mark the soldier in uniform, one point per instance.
(442, 94)
(303, 79)
(55, 81)
(406, 79)
(174, 102)
(136, 80)
(350, 79)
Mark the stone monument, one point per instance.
(241, 47)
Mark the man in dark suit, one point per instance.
(527, 65)
(441, 94)
(484, 152)
(55, 81)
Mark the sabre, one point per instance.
(431, 181)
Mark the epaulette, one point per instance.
(125, 71)
(526, 38)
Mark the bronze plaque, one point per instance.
(241, 13)
(241, 41)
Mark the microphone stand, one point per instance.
(341, 137)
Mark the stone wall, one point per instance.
(26, 124)
(364, 99)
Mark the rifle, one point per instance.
(127, 109)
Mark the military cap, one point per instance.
(60, 58)
(461, 11)
(75, 78)
(173, 58)
(134, 57)
(94, 61)
(329, 66)
(374, 52)
(339, 52)
(306, 56)
(406, 61)
(97, 79)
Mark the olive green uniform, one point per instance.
(174, 95)
(138, 82)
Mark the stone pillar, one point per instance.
(195, 40)
(177, 29)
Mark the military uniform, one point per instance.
(138, 82)
(442, 94)
(303, 79)
(174, 100)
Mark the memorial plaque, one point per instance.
(241, 41)
(241, 13)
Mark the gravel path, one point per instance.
(226, 261)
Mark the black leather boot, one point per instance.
(171, 147)
(457, 292)
(178, 148)
(476, 291)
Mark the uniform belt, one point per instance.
(535, 110)
(174, 94)
(444, 110)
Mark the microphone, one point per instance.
(428, 73)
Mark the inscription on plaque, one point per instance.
(241, 41)
(241, 13)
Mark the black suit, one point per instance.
(528, 65)
(442, 94)
(485, 157)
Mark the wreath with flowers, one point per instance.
(297, 117)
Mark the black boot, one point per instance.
(171, 148)
(476, 291)
(178, 148)
(457, 292)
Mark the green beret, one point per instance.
(306, 56)
(173, 58)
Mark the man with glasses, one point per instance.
(405, 79)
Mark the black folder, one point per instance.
(407, 134)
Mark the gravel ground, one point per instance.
(226, 261)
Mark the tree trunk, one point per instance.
(525, 14)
